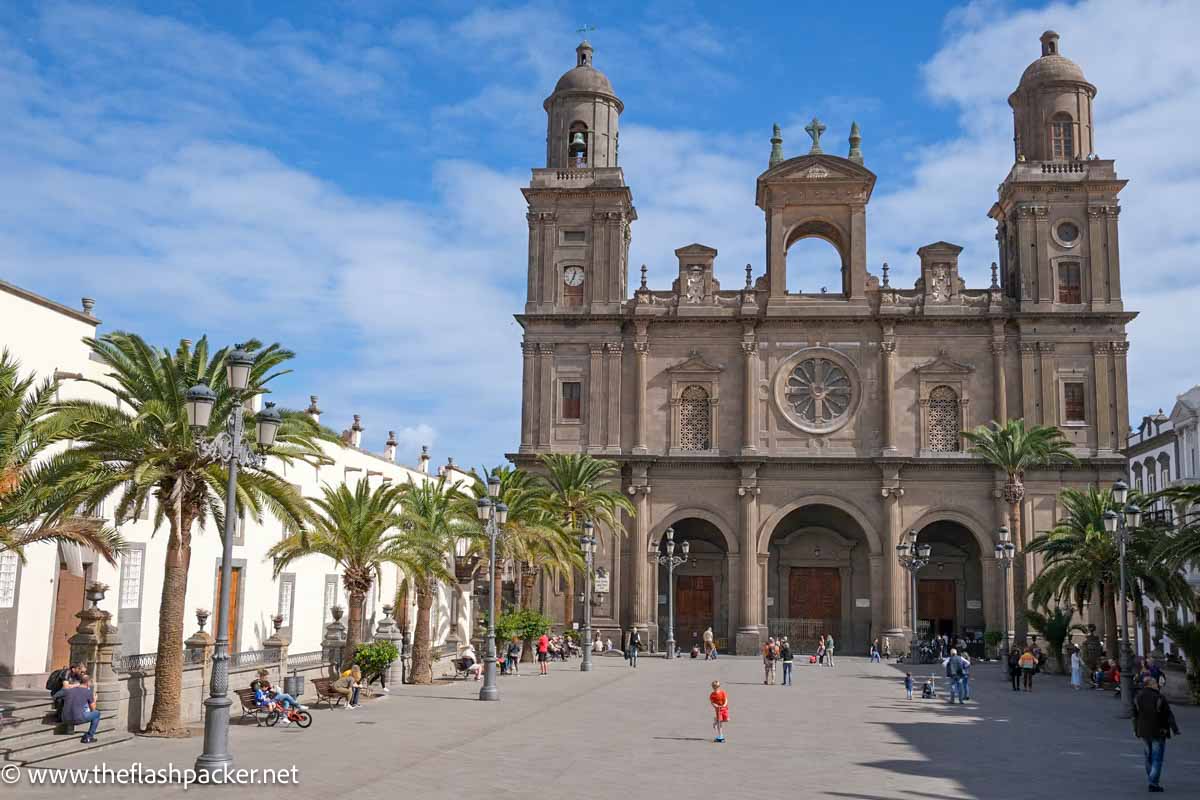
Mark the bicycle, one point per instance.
(275, 712)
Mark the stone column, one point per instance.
(643, 607)
(1120, 351)
(1046, 289)
(386, 631)
(528, 393)
(749, 395)
(1101, 369)
(613, 350)
(276, 647)
(334, 641)
(999, 386)
(198, 649)
(887, 380)
(992, 610)
(747, 642)
(642, 348)
(546, 392)
(595, 407)
(1049, 390)
(894, 580)
(95, 642)
(1029, 392)
(1098, 272)
(1114, 254)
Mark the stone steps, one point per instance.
(32, 733)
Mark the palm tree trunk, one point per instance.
(168, 671)
(528, 584)
(422, 663)
(1020, 578)
(569, 600)
(353, 627)
(1109, 601)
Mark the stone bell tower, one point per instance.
(579, 205)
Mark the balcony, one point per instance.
(578, 178)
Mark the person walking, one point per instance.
(720, 704)
(708, 643)
(635, 644)
(887, 649)
(829, 650)
(908, 684)
(543, 654)
(954, 671)
(1028, 664)
(1153, 723)
(785, 655)
(1076, 669)
(875, 652)
(1014, 669)
(768, 655)
(513, 656)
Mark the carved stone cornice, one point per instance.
(529, 348)
(545, 349)
(1120, 348)
(614, 347)
(596, 348)
(642, 348)
(1028, 348)
(1045, 347)
(1102, 348)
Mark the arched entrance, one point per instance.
(702, 586)
(819, 579)
(950, 586)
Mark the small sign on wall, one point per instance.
(770, 602)
(862, 602)
(974, 605)
(662, 599)
(600, 585)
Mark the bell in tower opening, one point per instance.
(577, 149)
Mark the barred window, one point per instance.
(1073, 410)
(1069, 283)
(131, 578)
(943, 420)
(695, 419)
(8, 579)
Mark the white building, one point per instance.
(39, 598)
(1162, 453)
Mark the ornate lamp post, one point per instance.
(1121, 527)
(229, 448)
(671, 561)
(1005, 552)
(493, 514)
(913, 557)
(588, 542)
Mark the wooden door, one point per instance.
(936, 604)
(814, 604)
(693, 606)
(68, 602)
(231, 624)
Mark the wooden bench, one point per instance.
(250, 708)
(325, 692)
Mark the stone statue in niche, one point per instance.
(695, 285)
(939, 280)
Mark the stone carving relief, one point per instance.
(695, 285)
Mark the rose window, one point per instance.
(818, 391)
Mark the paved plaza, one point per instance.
(846, 732)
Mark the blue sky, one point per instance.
(344, 177)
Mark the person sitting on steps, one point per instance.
(79, 706)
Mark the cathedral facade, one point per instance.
(795, 439)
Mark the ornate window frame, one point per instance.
(570, 374)
(942, 371)
(781, 384)
(694, 371)
(1062, 377)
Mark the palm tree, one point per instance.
(142, 447)
(430, 521)
(578, 489)
(1186, 636)
(355, 528)
(1082, 558)
(27, 428)
(1013, 450)
(1056, 626)
(1181, 544)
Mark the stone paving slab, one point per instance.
(845, 732)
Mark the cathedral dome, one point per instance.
(1052, 66)
(584, 77)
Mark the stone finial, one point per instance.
(423, 464)
(449, 463)
(356, 431)
(202, 615)
(313, 409)
(995, 277)
(643, 277)
(776, 146)
(88, 304)
(749, 280)
(389, 447)
(855, 144)
(885, 284)
(815, 129)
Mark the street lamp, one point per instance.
(671, 561)
(1121, 527)
(588, 542)
(228, 448)
(913, 557)
(1005, 551)
(493, 514)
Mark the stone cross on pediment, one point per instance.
(815, 129)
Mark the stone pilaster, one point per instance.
(613, 433)
(750, 596)
(749, 394)
(528, 382)
(642, 349)
(595, 408)
(1121, 373)
(643, 605)
(1049, 390)
(887, 381)
(999, 386)
(1029, 390)
(1102, 375)
(894, 581)
(546, 392)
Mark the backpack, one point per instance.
(56, 679)
(954, 667)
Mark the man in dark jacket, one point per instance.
(1153, 723)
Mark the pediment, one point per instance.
(817, 167)
(695, 364)
(696, 249)
(944, 365)
(940, 247)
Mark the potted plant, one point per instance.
(993, 639)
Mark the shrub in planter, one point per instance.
(373, 658)
(526, 624)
